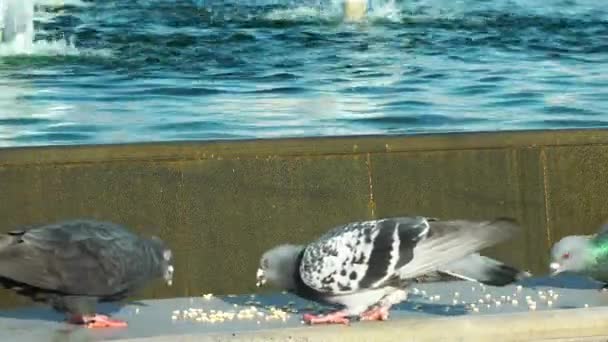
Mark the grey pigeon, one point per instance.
(366, 266)
(72, 265)
(582, 254)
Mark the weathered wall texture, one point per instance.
(219, 205)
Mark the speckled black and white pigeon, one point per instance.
(72, 265)
(366, 266)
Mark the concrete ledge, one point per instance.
(188, 150)
(556, 325)
(454, 311)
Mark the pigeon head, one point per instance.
(570, 254)
(278, 266)
(165, 259)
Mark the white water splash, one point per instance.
(332, 10)
(17, 23)
(17, 29)
(385, 10)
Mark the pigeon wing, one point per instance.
(449, 241)
(360, 255)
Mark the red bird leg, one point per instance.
(378, 313)
(97, 321)
(338, 317)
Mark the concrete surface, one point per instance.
(221, 204)
(565, 307)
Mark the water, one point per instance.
(158, 70)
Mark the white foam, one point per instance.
(301, 13)
(333, 11)
(385, 10)
(60, 3)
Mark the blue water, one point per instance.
(159, 70)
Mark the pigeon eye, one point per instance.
(566, 256)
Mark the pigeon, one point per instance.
(366, 266)
(582, 254)
(73, 265)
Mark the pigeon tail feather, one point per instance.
(485, 270)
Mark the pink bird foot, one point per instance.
(98, 321)
(379, 313)
(338, 317)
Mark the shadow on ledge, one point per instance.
(564, 281)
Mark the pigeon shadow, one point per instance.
(285, 301)
(431, 308)
(563, 280)
(297, 305)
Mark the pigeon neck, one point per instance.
(300, 288)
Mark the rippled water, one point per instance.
(134, 70)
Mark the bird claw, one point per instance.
(98, 321)
(338, 317)
(379, 313)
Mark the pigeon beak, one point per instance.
(555, 268)
(169, 275)
(260, 278)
